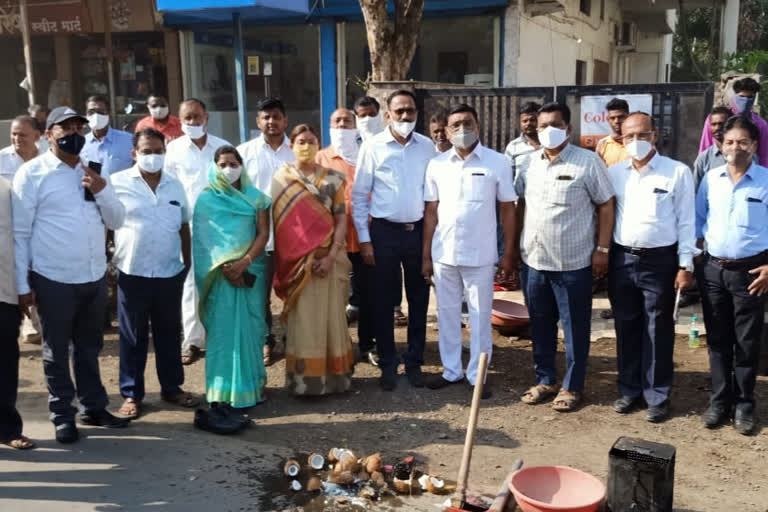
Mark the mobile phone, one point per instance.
(249, 279)
(95, 167)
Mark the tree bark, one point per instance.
(392, 42)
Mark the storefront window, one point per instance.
(280, 61)
(441, 56)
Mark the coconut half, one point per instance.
(296, 485)
(436, 485)
(316, 461)
(291, 468)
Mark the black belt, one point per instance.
(404, 226)
(748, 262)
(646, 251)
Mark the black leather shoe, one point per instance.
(657, 413)
(415, 377)
(439, 382)
(744, 422)
(487, 392)
(715, 416)
(67, 433)
(103, 418)
(388, 381)
(626, 404)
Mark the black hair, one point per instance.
(154, 94)
(401, 92)
(745, 124)
(747, 85)
(530, 107)
(149, 133)
(271, 104)
(97, 98)
(646, 114)
(462, 107)
(721, 110)
(557, 107)
(617, 104)
(195, 100)
(29, 120)
(227, 150)
(439, 117)
(367, 101)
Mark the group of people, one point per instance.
(204, 232)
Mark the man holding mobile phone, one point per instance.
(60, 267)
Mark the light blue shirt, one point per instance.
(733, 219)
(389, 180)
(113, 152)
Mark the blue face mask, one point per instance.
(742, 103)
(71, 144)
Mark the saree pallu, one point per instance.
(318, 350)
(224, 227)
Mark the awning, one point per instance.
(182, 12)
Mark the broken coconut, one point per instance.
(316, 461)
(314, 484)
(432, 484)
(291, 468)
(403, 486)
(334, 454)
(372, 463)
(295, 485)
(349, 463)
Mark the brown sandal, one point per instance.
(567, 401)
(20, 443)
(182, 399)
(400, 319)
(268, 361)
(538, 394)
(131, 408)
(190, 356)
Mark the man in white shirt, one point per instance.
(461, 189)
(61, 211)
(10, 318)
(188, 159)
(263, 156)
(654, 241)
(389, 187)
(152, 254)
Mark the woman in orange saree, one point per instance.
(312, 270)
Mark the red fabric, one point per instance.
(171, 129)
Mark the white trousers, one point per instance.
(452, 283)
(194, 332)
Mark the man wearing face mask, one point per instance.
(732, 217)
(564, 194)
(263, 156)
(461, 189)
(651, 256)
(152, 253)
(610, 148)
(61, 211)
(369, 120)
(188, 158)
(39, 113)
(389, 184)
(160, 118)
(742, 102)
(110, 147)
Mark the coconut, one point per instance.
(316, 461)
(314, 484)
(368, 492)
(403, 486)
(436, 485)
(372, 463)
(349, 463)
(345, 478)
(295, 485)
(423, 481)
(334, 454)
(363, 475)
(378, 477)
(291, 468)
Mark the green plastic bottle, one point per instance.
(693, 333)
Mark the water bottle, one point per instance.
(693, 334)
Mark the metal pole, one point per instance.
(24, 19)
(242, 110)
(110, 58)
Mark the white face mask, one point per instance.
(551, 137)
(98, 121)
(346, 143)
(151, 163)
(193, 132)
(231, 174)
(370, 126)
(158, 112)
(638, 149)
(403, 128)
(463, 139)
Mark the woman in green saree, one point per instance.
(230, 228)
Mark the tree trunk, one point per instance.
(392, 43)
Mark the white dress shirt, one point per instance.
(190, 164)
(467, 191)
(389, 180)
(57, 233)
(261, 163)
(10, 161)
(7, 271)
(148, 244)
(655, 206)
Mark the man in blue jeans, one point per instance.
(559, 194)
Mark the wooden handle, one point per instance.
(466, 458)
(502, 498)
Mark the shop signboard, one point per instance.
(594, 117)
(46, 17)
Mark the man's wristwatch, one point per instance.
(688, 268)
(603, 250)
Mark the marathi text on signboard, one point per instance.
(594, 116)
(45, 17)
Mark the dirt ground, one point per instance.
(162, 463)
